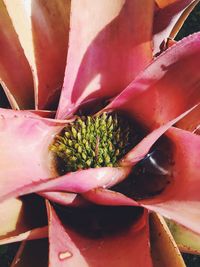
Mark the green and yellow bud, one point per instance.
(93, 141)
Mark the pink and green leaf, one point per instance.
(187, 240)
(42, 27)
(163, 247)
(15, 72)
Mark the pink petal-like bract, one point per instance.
(42, 28)
(96, 51)
(141, 149)
(125, 249)
(167, 87)
(105, 55)
(181, 201)
(103, 196)
(24, 144)
(64, 198)
(14, 68)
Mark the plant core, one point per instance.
(94, 141)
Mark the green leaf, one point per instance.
(187, 240)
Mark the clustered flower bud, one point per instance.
(93, 141)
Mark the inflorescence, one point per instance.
(93, 141)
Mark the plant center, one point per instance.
(94, 141)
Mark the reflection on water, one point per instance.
(151, 175)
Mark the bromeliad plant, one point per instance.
(123, 140)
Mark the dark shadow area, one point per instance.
(33, 214)
(191, 25)
(151, 175)
(3, 99)
(99, 221)
(7, 254)
(191, 260)
(34, 210)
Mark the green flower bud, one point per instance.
(93, 142)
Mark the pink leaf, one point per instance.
(15, 72)
(125, 249)
(102, 196)
(181, 200)
(107, 49)
(168, 87)
(36, 233)
(43, 28)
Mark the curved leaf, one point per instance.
(107, 49)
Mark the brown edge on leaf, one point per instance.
(164, 250)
